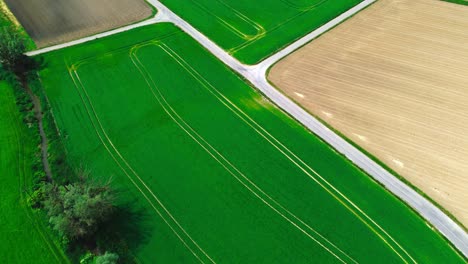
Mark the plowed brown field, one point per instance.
(50, 22)
(394, 79)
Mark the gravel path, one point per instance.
(256, 74)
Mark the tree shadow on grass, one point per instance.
(128, 229)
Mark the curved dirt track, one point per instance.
(257, 76)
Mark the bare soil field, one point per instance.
(394, 79)
(50, 22)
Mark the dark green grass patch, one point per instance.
(253, 30)
(25, 237)
(223, 174)
(460, 2)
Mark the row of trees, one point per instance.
(77, 209)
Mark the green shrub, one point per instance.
(86, 258)
(36, 198)
(107, 258)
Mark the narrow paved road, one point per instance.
(256, 74)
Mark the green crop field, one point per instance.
(461, 2)
(253, 30)
(218, 173)
(25, 238)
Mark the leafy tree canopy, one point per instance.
(76, 210)
(12, 49)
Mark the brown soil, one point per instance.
(394, 79)
(51, 22)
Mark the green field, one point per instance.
(461, 2)
(221, 174)
(253, 30)
(25, 236)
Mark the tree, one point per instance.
(12, 49)
(76, 210)
(107, 258)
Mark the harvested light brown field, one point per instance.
(50, 22)
(394, 79)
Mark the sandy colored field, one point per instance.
(394, 79)
(50, 22)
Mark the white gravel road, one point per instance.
(256, 74)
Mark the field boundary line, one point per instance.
(256, 127)
(131, 169)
